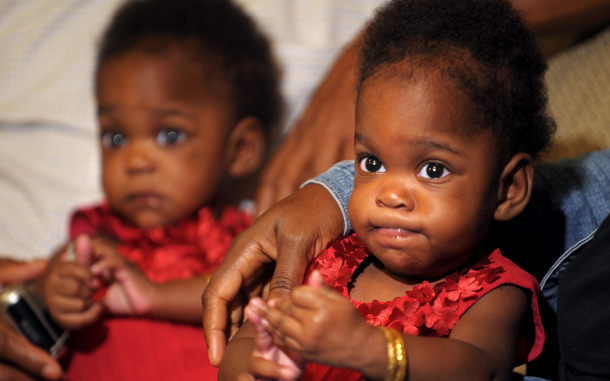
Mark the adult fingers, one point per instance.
(20, 360)
(76, 320)
(243, 265)
(309, 220)
(13, 271)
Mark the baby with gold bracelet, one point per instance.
(450, 115)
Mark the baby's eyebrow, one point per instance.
(431, 143)
(361, 138)
(167, 112)
(104, 110)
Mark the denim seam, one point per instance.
(563, 257)
(333, 191)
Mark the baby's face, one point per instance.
(162, 136)
(426, 183)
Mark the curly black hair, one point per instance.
(501, 69)
(227, 39)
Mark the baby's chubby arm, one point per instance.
(322, 326)
(130, 292)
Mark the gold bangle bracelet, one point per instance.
(397, 354)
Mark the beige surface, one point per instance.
(579, 96)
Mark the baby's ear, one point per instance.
(246, 147)
(515, 187)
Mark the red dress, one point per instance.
(426, 310)
(126, 348)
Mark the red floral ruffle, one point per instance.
(426, 310)
(189, 248)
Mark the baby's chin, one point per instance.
(148, 220)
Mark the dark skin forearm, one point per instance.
(179, 300)
(481, 346)
(460, 360)
(239, 348)
(554, 16)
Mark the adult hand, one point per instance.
(292, 233)
(323, 136)
(20, 359)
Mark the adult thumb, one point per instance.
(289, 271)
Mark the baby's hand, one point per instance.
(320, 325)
(269, 359)
(69, 285)
(129, 292)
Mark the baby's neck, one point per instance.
(373, 282)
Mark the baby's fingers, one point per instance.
(284, 321)
(72, 271)
(76, 320)
(69, 286)
(263, 340)
(262, 369)
(315, 295)
(106, 266)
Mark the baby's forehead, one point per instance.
(405, 76)
(453, 108)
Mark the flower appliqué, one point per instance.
(425, 310)
(181, 251)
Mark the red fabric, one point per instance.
(425, 310)
(134, 349)
(180, 251)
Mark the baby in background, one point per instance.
(450, 115)
(187, 96)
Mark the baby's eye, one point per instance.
(434, 171)
(169, 136)
(371, 164)
(113, 139)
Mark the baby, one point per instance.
(450, 114)
(188, 99)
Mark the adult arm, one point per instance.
(323, 135)
(20, 359)
(553, 16)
